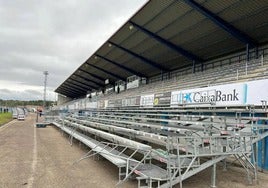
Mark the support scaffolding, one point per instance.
(187, 144)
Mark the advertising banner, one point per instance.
(111, 103)
(147, 100)
(131, 101)
(162, 99)
(257, 92)
(118, 103)
(230, 94)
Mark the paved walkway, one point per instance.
(42, 157)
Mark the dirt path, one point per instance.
(42, 157)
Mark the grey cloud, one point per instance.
(24, 95)
(57, 36)
(17, 95)
(5, 91)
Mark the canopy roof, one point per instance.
(167, 35)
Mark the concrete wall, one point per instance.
(63, 99)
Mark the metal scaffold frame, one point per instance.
(187, 144)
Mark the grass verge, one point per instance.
(5, 117)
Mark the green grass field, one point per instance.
(5, 117)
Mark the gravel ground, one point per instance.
(42, 157)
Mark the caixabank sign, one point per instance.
(230, 94)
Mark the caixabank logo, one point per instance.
(209, 97)
(219, 95)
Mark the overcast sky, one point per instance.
(53, 35)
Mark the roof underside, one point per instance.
(166, 35)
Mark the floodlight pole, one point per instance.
(45, 90)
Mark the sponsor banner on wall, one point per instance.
(133, 84)
(257, 92)
(147, 100)
(106, 103)
(118, 103)
(92, 105)
(76, 106)
(131, 101)
(82, 104)
(111, 103)
(71, 107)
(162, 99)
(101, 104)
(248, 93)
(230, 94)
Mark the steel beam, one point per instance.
(172, 46)
(107, 72)
(72, 90)
(91, 74)
(143, 59)
(247, 53)
(88, 80)
(69, 92)
(77, 86)
(213, 176)
(243, 37)
(73, 87)
(83, 83)
(66, 93)
(79, 83)
(122, 66)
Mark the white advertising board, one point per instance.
(247, 93)
(147, 100)
(133, 84)
(257, 91)
(90, 105)
(230, 94)
(106, 103)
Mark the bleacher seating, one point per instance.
(236, 72)
(172, 142)
(163, 146)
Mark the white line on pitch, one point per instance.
(34, 162)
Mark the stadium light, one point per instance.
(45, 89)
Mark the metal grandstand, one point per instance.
(162, 144)
(167, 35)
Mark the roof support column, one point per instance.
(193, 67)
(247, 58)
(256, 52)
(247, 52)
